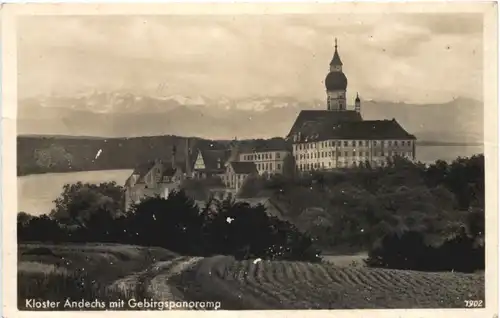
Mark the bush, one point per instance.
(176, 223)
(409, 251)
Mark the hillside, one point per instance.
(60, 134)
(123, 271)
(42, 154)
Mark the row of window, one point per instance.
(354, 153)
(263, 156)
(232, 181)
(330, 165)
(352, 143)
(267, 166)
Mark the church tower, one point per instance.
(357, 104)
(336, 84)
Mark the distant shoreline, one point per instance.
(422, 143)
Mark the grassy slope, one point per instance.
(50, 272)
(79, 271)
(296, 285)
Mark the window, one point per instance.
(346, 154)
(374, 142)
(354, 143)
(360, 143)
(339, 143)
(278, 166)
(395, 142)
(271, 166)
(278, 155)
(345, 143)
(367, 143)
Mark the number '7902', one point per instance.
(473, 303)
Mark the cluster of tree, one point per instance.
(349, 210)
(463, 252)
(176, 223)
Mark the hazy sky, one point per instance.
(399, 57)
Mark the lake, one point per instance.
(36, 192)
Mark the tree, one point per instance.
(252, 186)
(23, 217)
(174, 223)
(79, 201)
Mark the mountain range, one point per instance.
(122, 114)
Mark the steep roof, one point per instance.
(240, 167)
(211, 158)
(143, 168)
(168, 171)
(369, 129)
(336, 58)
(320, 117)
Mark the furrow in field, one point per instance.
(320, 273)
(341, 276)
(296, 285)
(211, 287)
(381, 277)
(256, 278)
(247, 284)
(266, 282)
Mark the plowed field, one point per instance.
(297, 285)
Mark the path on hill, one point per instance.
(156, 282)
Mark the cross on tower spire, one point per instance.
(336, 59)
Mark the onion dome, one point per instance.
(336, 81)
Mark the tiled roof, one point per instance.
(240, 167)
(315, 117)
(143, 168)
(211, 158)
(167, 169)
(369, 129)
(261, 145)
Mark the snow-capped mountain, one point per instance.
(125, 114)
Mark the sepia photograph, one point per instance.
(334, 157)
